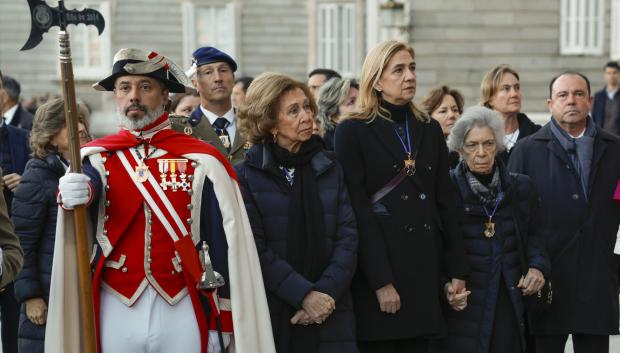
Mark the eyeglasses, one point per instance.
(487, 146)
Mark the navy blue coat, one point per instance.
(22, 118)
(579, 232)
(598, 110)
(34, 216)
(19, 148)
(266, 193)
(491, 259)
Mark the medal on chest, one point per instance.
(141, 171)
(489, 228)
(489, 225)
(409, 162)
(225, 139)
(169, 168)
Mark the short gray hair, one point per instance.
(476, 117)
(331, 95)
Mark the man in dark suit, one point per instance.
(14, 153)
(606, 106)
(214, 121)
(12, 110)
(574, 166)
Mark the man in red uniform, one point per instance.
(175, 265)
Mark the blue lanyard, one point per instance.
(407, 147)
(500, 196)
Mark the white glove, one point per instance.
(73, 190)
(214, 342)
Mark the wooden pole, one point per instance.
(87, 315)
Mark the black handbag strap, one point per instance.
(391, 185)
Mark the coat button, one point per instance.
(104, 159)
(194, 164)
(404, 197)
(466, 209)
(107, 203)
(575, 197)
(422, 196)
(395, 166)
(190, 206)
(427, 226)
(107, 188)
(190, 177)
(568, 166)
(409, 228)
(190, 221)
(107, 173)
(124, 269)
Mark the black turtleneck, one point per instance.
(398, 113)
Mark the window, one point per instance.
(336, 38)
(89, 50)
(210, 25)
(581, 27)
(615, 30)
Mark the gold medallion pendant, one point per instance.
(489, 229)
(410, 165)
(142, 172)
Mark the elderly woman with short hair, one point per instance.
(335, 98)
(34, 215)
(301, 218)
(501, 230)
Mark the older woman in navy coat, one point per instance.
(501, 228)
(301, 217)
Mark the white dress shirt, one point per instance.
(8, 116)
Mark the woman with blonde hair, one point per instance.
(395, 163)
(501, 91)
(301, 218)
(34, 216)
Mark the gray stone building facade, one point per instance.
(456, 41)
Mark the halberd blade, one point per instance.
(42, 17)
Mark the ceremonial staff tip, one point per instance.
(43, 17)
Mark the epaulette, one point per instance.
(182, 121)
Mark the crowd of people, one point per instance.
(335, 215)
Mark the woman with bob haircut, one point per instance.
(501, 91)
(34, 215)
(445, 105)
(335, 98)
(301, 218)
(501, 225)
(395, 163)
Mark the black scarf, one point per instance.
(306, 251)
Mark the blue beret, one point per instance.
(208, 55)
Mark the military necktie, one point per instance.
(220, 124)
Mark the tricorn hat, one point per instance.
(131, 61)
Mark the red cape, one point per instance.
(168, 140)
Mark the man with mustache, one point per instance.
(157, 198)
(574, 167)
(213, 75)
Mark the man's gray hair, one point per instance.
(331, 95)
(476, 117)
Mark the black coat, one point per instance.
(402, 235)
(585, 285)
(266, 196)
(34, 216)
(495, 261)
